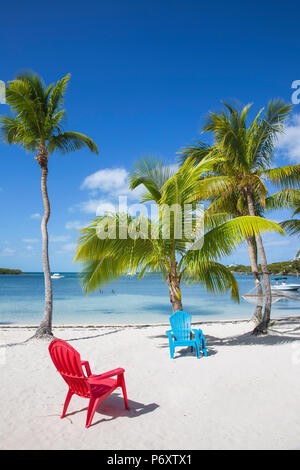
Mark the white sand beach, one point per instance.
(244, 395)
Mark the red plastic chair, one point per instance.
(95, 387)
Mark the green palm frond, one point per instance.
(226, 204)
(36, 88)
(38, 116)
(291, 226)
(264, 132)
(53, 125)
(285, 176)
(277, 113)
(230, 134)
(242, 160)
(182, 187)
(96, 273)
(216, 277)
(56, 95)
(26, 108)
(152, 174)
(222, 240)
(106, 259)
(215, 186)
(196, 152)
(14, 131)
(297, 208)
(71, 141)
(285, 198)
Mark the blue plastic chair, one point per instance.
(181, 334)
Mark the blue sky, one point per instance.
(144, 75)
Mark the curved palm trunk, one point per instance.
(262, 327)
(174, 289)
(45, 328)
(253, 262)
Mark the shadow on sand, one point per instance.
(95, 336)
(48, 340)
(284, 331)
(113, 407)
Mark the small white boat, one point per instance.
(57, 276)
(284, 286)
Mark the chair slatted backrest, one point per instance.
(181, 325)
(68, 363)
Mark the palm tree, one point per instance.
(244, 156)
(36, 124)
(233, 204)
(176, 258)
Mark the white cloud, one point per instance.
(74, 225)
(36, 215)
(113, 182)
(59, 238)
(30, 240)
(289, 142)
(7, 252)
(67, 248)
(106, 180)
(29, 248)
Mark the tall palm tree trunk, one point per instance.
(45, 328)
(262, 327)
(254, 268)
(174, 288)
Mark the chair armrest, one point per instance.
(197, 332)
(169, 333)
(200, 336)
(87, 367)
(111, 373)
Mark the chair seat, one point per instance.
(187, 342)
(101, 387)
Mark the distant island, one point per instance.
(291, 268)
(10, 271)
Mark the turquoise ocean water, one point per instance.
(133, 301)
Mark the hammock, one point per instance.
(260, 299)
(283, 295)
